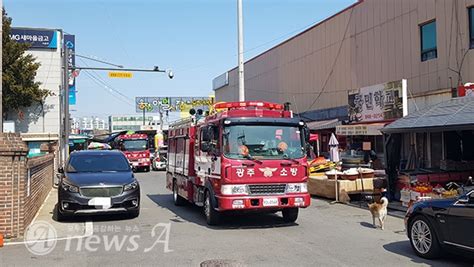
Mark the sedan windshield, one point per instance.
(98, 163)
(134, 145)
(262, 142)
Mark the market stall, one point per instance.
(430, 153)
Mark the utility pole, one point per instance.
(65, 103)
(241, 50)
(1, 73)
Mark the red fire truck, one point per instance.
(136, 149)
(247, 156)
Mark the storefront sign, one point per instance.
(377, 102)
(36, 38)
(164, 104)
(360, 129)
(70, 44)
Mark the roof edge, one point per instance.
(301, 33)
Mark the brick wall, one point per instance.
(24, 184)
(39, 176)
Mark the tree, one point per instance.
(19, 70)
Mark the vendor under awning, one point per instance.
(434, 145)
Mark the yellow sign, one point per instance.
(117, 74)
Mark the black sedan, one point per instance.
(95, 182)
(444, 224)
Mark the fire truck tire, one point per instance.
(212, 215)
(290, 215)
(177, 199)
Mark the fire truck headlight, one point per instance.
(234, 189)
(297, 188)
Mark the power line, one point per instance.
(104, 83)
(335, 61)
(96, 81)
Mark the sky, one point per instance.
(197, 39)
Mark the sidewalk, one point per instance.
(47, 214)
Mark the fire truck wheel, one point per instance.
(290, 215)
(178, 200)
(212, 216)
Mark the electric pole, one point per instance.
(1, 73)
(65, 104)
(241, 50)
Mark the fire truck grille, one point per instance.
(267, 189)
(101, 191)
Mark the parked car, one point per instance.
(97, 181)
(442, 224)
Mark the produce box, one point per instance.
(324, 187)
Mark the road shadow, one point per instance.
(90, 218)
(367, 225)
(403, 248)
(193, 214)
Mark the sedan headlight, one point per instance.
(131, 186)
(69, 187)
(237, 189)
(296, 188)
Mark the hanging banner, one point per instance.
(164, 104)
(70, 44)
(37, 38)
(377, 102)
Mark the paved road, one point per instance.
(324, 235)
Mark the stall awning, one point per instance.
(323, 125)
(360, 129)
(454, 114)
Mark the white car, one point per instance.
(159, 163)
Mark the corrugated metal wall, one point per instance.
(374, 42)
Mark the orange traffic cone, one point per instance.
(1, 240)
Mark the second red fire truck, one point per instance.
(136, 149)
(247, 156)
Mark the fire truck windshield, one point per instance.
(262, 142)
(134, 145)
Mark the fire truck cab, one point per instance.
(136, 149)
(244, 156)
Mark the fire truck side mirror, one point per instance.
(306, 133)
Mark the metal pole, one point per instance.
(241, 50)
(65, 103)
(143, 116)
(161, 121)
(1, 72)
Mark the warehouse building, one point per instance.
(333, 72)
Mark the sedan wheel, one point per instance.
(423, 239)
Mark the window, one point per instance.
(471, 27)
(428, 41)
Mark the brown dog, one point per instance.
(379, 211)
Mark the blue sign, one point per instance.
(70, 43)
(36, 38)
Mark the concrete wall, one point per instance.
(44, 118)
(24, 185)
(371, 42)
